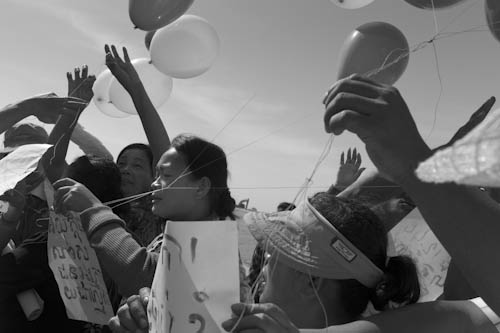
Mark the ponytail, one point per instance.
(224, 205)
(400, 284)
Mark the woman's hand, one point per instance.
(132, 316)
(266, 317)
(73, 196)
(122, 70)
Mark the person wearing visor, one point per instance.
(327, 261)
(329, 256)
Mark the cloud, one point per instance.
(238, 118)
(96, 22)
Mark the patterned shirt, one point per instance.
(141, 221)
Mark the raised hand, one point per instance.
(48, 107)
(265, 317)
(123, 70)
(73, 196)
(380, 117)
(349, 169)
(132, 316)
(80, 85)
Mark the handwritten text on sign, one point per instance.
(76, 270)
(196, 277)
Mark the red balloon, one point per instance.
(148, 38)
(377, 50)
(150, 15)
(492, 8)
(438, 4)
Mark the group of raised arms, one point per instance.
(325, 267)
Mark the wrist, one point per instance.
(136, 90)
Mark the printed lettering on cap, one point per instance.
(341, 248)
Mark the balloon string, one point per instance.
(184, 173)
(438, 72)
(415, 48)
(326, 151)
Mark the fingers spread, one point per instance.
(77, 73)
(125, 55)
(85, 71)
(118, 59)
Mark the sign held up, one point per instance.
(76, 270)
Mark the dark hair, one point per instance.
(205, 159)
(100, 175)
(285, 206)
(365, 230)
(140, 146)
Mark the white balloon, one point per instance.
(157, 85)
(101, 96)
(185, 48)
(352, 4)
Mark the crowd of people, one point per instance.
(319, 264)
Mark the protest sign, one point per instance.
(413, 237)
(196, 279)
(76, 270)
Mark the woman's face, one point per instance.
(136, 172)
(175, 197)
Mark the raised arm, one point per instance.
(80, 86)
(464, 219)
(54, 160)
(41, 106)
(126, 74)
(349, 171)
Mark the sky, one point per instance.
(279, 57)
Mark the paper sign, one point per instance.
(413, 237)
(472, 160)
(196, 278)
(76, 270)
(19, 164)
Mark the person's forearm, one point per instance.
(12, 114)
(467, 222)
(429, 317)
(54, 160)
(128, 264)
(151, 122)
(88, 143)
